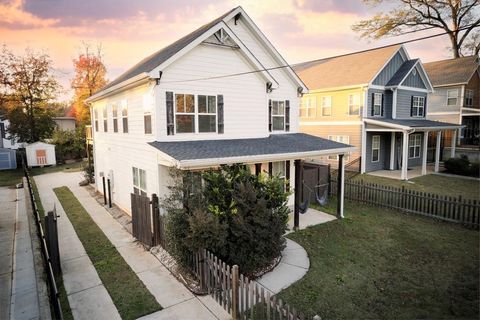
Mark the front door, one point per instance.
(41, 157)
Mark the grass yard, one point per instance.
(10, 178)
(127, 291)
(381, 264)
(443, 185)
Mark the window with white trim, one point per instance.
(452, 97)
(354, 104)
(139, 181)
(279, 170)
(341, 139)
(184, 113)
(95, 118)
(377, 104)
(207, 113)
(375, 148)
(308, 107)
(326, 103)
(147, 114)
(105, 119)
(115, 117)
(418, 106)
(278, 115)
(414, 143)
(468, 98)
(124, 116)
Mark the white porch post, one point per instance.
(454, 144)
(340, 187)
(437, 151)
(405, 156)
(424, 151)
(392, 151)
(363, 150)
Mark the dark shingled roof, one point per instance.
(418, 123)
(274, 144)
(451, 71)
(401, 73)
(154, 60)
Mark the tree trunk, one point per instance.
(455, 46)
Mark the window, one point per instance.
(279, 169)
(308, 107)
(354, 104)
(125, 116)
(95, 117)
(185, 113)
(139, 181)
(452, 97)
(414, 143)
(115, 117)
(147, 113)
(341, 139)
(278, 115)
(105, 119)
(207, 113)
(375, 148)
(418, 106)
(468, 98)
(377, 104)
(326, 103)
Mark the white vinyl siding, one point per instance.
(278, 115)
(326, 103)
(414, 143)
(375, 148)
(418, 106)
(354, 104)
(452, 97)
(308, 107)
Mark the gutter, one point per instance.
(138, 79)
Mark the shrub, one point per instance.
(462, 166)
(69, 144)
(239, 216)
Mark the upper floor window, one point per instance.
(414, 142)
(105, 119)
(139, 181)
(326, 103)
(147, 114)
(375, 148)
(468, 98)
(354, 104)
(125, 116)
(95, 118)
(308, 107)
(452, 97)
(185, 113)
(207, 113)
(278, 115)
(418, 106)
(377, 104)
(115, 117)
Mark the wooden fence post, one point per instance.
(156, 220)
(235, 292)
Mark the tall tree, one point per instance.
(456, 17)
(90, 73)
(27, 89)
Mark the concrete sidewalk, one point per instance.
(178, 302)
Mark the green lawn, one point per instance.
(380, 264)
(10, 178)
(443, 185)
(127, 291)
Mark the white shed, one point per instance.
(40, 154)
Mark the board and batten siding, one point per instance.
(390, 69)
(384, 154)
(414, 80)
(387, 103)
(404, 103)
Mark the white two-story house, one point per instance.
(220, 95)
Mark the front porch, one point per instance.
(413, 172)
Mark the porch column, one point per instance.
(437, 151)
(298, 193)
(340, 187)
(404, 156)
(392, 151)
(363, 150)
(454, 144)
(424, 153)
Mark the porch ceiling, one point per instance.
(409, 124)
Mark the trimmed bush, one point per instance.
(462, 166)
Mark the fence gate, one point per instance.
(315, 181)
(141, 219)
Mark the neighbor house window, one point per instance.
(139, 181)
(147, 114)
(354, 104)
(185, 113)
(95, 118)
(418, 106)
(125, 116)
(115, 117)
(375, 148)
(452, 97)
(105, 119)
(308, 107)
(468, 98)
(207, 113)
(377, 104)
(326, 103)
(278, 115)
(341, 139)
(414, 143)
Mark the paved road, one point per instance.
(18, 286)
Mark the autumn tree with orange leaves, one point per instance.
(90, 73)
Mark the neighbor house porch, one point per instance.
(401, 145)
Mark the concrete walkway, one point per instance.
(178, 302)
(310, 218)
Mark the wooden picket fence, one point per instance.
(239, 296)
(447, 208)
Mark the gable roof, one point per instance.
(401, 73)
(451, 71)
(356, 68)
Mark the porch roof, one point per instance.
(409, 124)
(276, 147)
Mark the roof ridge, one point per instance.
(452, 59)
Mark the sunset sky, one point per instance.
(130, 30)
